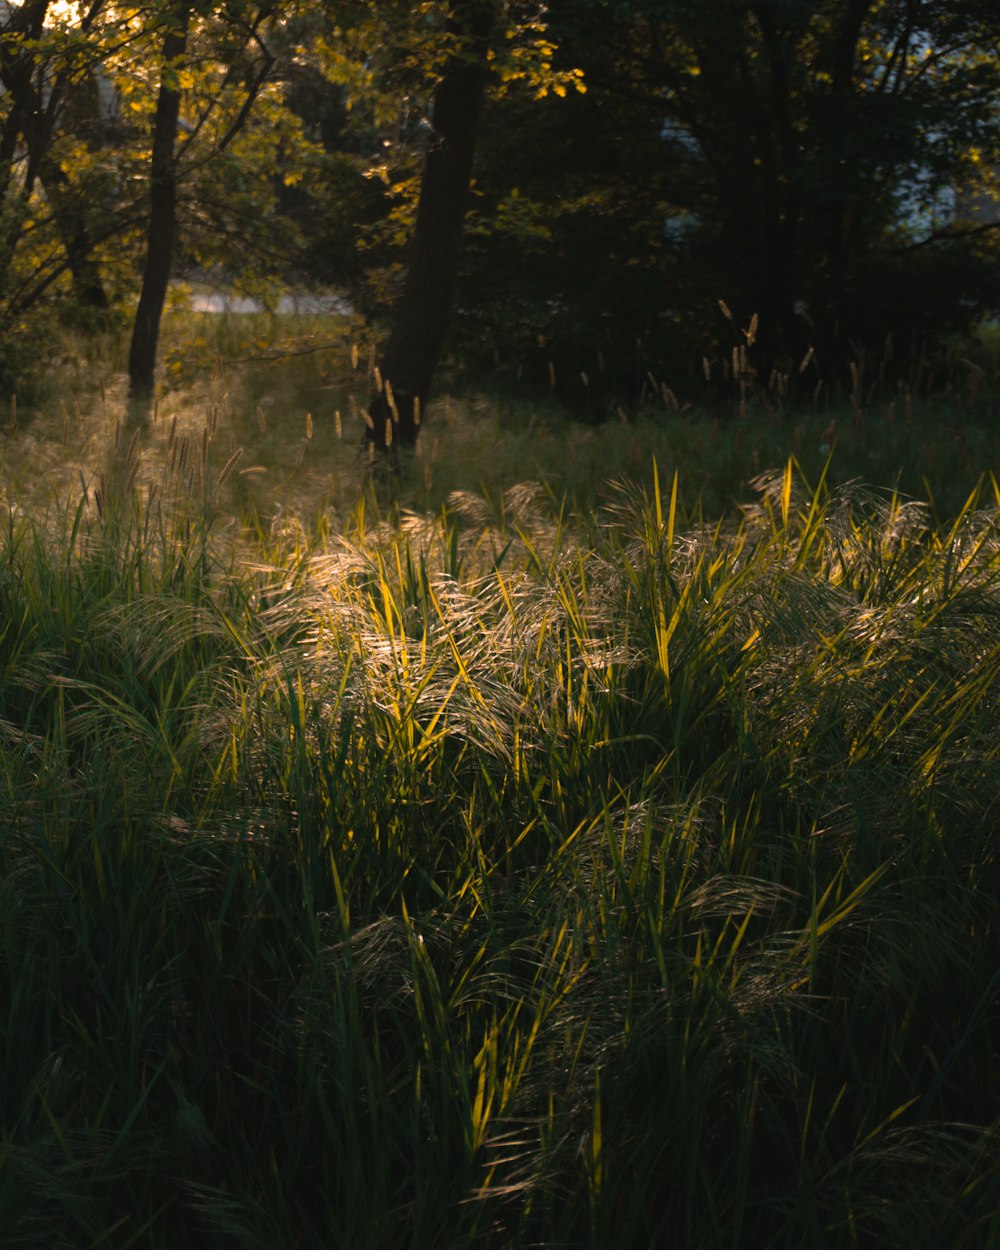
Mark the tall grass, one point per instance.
(289, 391)
(507, 875)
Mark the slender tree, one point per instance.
(240, 80)
(162, 227)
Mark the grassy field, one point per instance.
(286, 392)
(501, 864)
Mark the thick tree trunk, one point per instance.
(162, 215)
(418, 336)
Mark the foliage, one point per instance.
(827, 168)
(454, 879)
(84, 182)
(387, 60)
(799, 161)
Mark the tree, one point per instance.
(166, 157)
(162, 229)
(810, 127)
(421, 321)
(73, 178)
(420, 74)
(796, 160)
(48, 73)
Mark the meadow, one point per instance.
(586, 838)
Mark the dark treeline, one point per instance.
(567, 193)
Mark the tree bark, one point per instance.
(162, 231)
(418, 335)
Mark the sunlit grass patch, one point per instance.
(455, 876)
(287, 392)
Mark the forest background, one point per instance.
(826, 168)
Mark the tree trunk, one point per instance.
(75, 234)
(29, 121)
(418, 336)
(162, 214)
